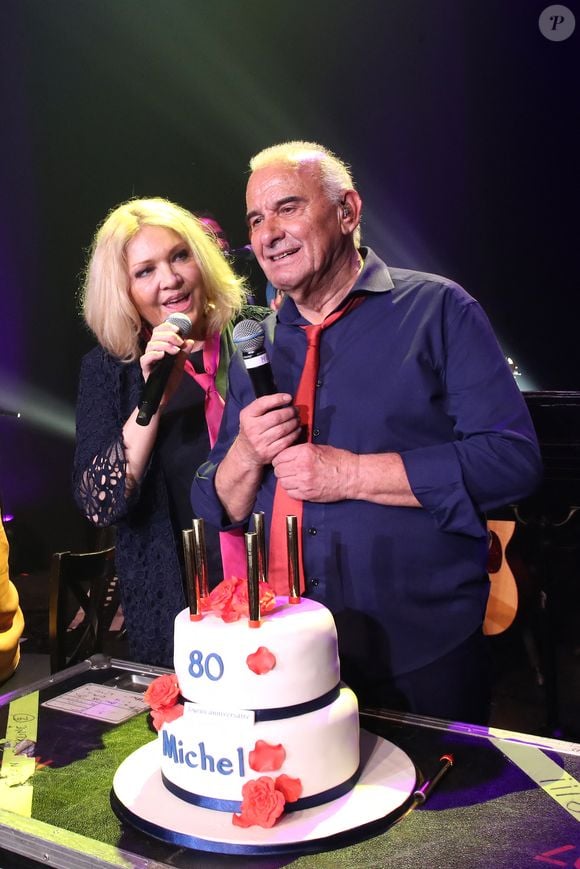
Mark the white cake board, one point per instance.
(387, 780)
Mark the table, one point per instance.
(510, 800)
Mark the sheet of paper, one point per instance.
(112, 705)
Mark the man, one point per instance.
(418, 429)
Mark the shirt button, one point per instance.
(314, 582)
(315, 432)
(312, 531)
(319, 383)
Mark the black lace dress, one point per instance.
(149, 557)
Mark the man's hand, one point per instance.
(324, 474)
(316, 473)
(268, 425)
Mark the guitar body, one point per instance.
(502, 604)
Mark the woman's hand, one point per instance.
(166, 341)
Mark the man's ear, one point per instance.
(349, 211)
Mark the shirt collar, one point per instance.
(374, 278)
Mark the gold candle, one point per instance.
(253, 583)
(200, 556)
(293, 568)
(191, 576)
(259, 529)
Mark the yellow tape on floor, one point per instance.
(18, 760)
(555, 781)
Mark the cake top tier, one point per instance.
(292, 658)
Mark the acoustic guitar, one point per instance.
(502, 604)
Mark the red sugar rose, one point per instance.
(261, 661)
(162, 716)
(266, 757)
(290, 787)
(229, 599)
(221, 597)
(162, 692)
(267, 598)
(240, 602)
(262, 804)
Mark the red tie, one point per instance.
(284, 505)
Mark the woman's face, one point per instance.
(164, 277)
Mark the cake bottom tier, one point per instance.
(206, 760)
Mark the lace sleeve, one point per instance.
(105, 399)
(101, 490)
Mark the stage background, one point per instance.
(458, 117)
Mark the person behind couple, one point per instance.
(149, 259)
(418, 429)
(214, 227)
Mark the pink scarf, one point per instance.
(231, 542)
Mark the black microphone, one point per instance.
(157, 381)
(249, 338)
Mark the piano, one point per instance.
(556, 418)
(550, 522)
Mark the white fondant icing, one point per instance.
(207, 751)
(210, 657)
(322, 750)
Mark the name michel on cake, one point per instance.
(200, 759)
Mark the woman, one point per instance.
(150, 259)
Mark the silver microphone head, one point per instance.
(249, 336)
(182, 322)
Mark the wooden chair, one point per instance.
(83, 600)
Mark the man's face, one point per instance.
(295, 230)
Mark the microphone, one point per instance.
(157, 381)
(249, 338)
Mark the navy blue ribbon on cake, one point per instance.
(235, 805)
(275, 714)
(299, 708)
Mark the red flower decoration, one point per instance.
(267, 597)
(162, 692)
(169, 713)
(266, 757)
(220, 598)
(240, 603)
(262, 804)
(261, 661)
(290, 787)
(229, 599)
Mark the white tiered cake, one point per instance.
(264, 701)
(258, 749)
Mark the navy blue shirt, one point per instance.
(415, 369)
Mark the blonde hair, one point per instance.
(107, 306)
(335, 175)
